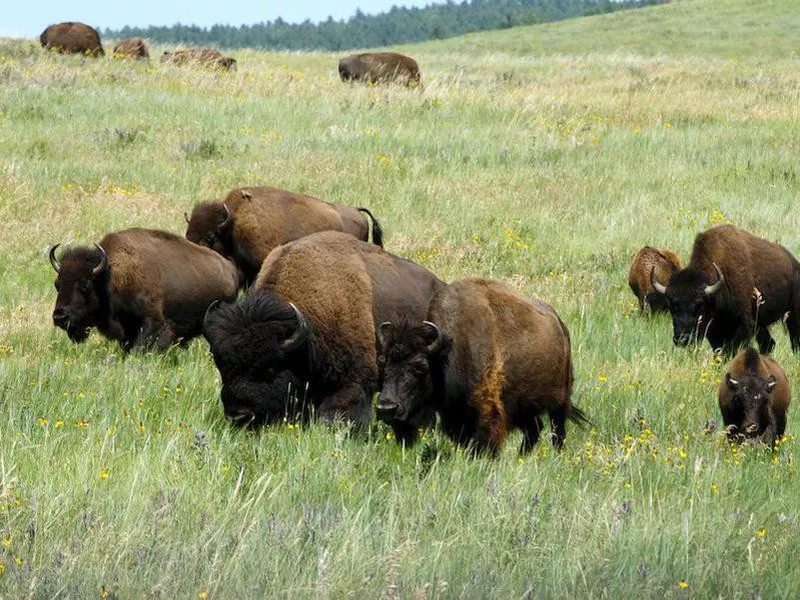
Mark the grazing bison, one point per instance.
(322, 345)
(140, 287)
(753, 397)
(72, 38)
(250, 222)
(380, 67)
(664, 263)
(487, 360)
(734, 285)
(131, 48)
(205, 57)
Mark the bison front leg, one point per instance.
(765, 342)
(155, 332)
(350, 403)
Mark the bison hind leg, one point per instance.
(558, 426)
(765, 342)
(530, 434)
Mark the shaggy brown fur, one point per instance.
(131, 48)
(664, 263)
(380, 67)
(154, 289)
(204, 57)
(342, 287)
(502, 362)
(754, 396)
(72, 38)
(761, 286)
(262, 218)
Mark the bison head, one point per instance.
(261, 348)
(81, 285)
(211, 225)
(410, 357)
(751, 404)
(690, 296)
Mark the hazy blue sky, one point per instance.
(28, 18)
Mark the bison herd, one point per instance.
(79, 38)
(330, 319)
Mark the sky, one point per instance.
(21, 18)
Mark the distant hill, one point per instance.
(399, 25)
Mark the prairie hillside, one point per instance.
(544, 157)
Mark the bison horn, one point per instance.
(186, 217)
(103, 262)
(228, 218)
(209, 310)
(436, 344)
(661, 289)
(299, 336)
(714, 288)
(53, 259)
(381, 328)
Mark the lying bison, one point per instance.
(250, 222)
(664, 264)
(487, 360)
(131, 48)
(753, 397)
(140, 287)
(735, 284)
(380, 67)
(321, 347)
(204, 57)
(72, 38)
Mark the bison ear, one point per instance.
(771, 383)
(733, 384)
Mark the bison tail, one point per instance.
(577, 416)
(377, 230)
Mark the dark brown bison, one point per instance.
(131, 48)
(250, 222)
(380, 67)
(664, 264)
(734, 285)
(140, 287)
(321, 347)
(204, 57)
(487, 360)
(72, 38)
(753, 397)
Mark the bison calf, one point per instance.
(487, 360)
(379, 67)
(72, 38)
(131, 48)
(663, 263)
(735, 285)
(323, 343)
(139, 287)
(250, 222)
(754, 396)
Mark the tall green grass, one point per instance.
(546, 169)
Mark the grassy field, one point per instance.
(544, 157)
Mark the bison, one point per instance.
(664, 263)
(72, 38)
(486, 359)
(735, 285)
(250, 222)
(140, 287)
(380, 67)
(131, 48)
(308, 327)
(205, 57)
(753, 397)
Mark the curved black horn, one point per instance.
(186, 217)
(379, 332)
(661, 289)
(228, 218)
(103, 262)
(53, 259)
(715, 287)
(299, 336)
(436, 344)
(209, 310)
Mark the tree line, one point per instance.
(398, 25)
